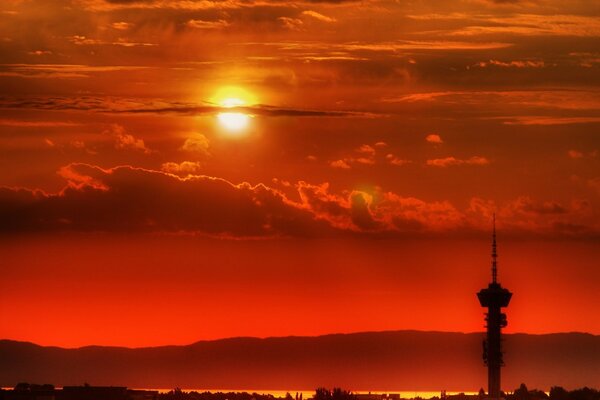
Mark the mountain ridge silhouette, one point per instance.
(377, 361)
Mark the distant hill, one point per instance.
(401, 360)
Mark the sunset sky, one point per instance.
(172, 171)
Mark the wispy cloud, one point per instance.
(81, 40)
(568, 98)
(61, 70)
(549, 120)
(526, 24)
(533, 25)
(368, 155)
(121, 25)
(137, 106)
(202, 24)
(318, 16)
(387, 47)
(511, 64)
(453, 161)
(36, 124)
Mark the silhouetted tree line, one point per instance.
(178, 394)
(335, 394)
(25, 391)
(521, 393)
(320, 394)
(556, 393)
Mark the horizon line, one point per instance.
(283, 337)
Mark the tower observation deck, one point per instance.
(494, 297)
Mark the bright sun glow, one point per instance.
(232, 97)
(233, 121)
(232, 102)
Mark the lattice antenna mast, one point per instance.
(494, 254)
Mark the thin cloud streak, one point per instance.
(135, 106)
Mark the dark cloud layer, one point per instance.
(133, 199)
(140, 200)
(136, 106)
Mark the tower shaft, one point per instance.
(494, 297)
(494, 351)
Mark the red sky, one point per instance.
(376, 140)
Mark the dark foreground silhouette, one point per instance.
(25, 391)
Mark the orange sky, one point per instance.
(376, 140)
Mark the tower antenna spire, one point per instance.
(494, 253)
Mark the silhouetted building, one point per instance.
(27, 391)
(136, 394)
(494, 297)
(93, 393)
(377, 396)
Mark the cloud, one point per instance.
(318, 16)
(525, 205)
(184, 168)
(366, 149)
(505, 1)
(190, 5)
(575, 154)
(77, 144)
(301, 47)
(549, 120)
(409, 214)
(392, 159)
(197, 144)
(340, 164)
(121, 26)
(434, 138)
(293, 24)
(565, 99)
(202, 24)
(545, 217)
(40, 53)
(126, 141)
(134, 199)
(451, 161)
(130, 199)
(36, 124)
(350, 212)
(512, 64)
(531, 25)
(41, 71)
(81, 40)
(367, 154)
(119, 105)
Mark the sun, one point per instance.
(234, 121)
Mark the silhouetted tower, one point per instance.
(494, 297)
